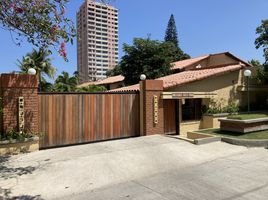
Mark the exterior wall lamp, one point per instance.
(31, 71)
(143, 77)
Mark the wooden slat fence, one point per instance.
(66, 119)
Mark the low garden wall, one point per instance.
(212, 120)
(15, 146)
(200, 138)
(244, 126)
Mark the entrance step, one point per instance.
(199, 141)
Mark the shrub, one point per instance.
(216, 107)
(232, 108)
(13, 135)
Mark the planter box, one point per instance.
(244, 126)
(212, 120)
(15, 147)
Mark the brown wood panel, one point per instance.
(170, 116)
(67, 119)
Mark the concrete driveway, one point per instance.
(154, 167)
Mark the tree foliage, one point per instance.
(171, 32)
(261, 75)
(262, 40)
(91, 88)
(40, 61)
(65, 83)
(150, 57)
(115, 71)
(172, 36)
(46, 86)
(41, 22)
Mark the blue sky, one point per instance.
(207, 26)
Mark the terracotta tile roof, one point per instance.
(195, 75)
(135, 87)
(188, 77)
(109, 80)
(185, 63)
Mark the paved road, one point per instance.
(154, 168)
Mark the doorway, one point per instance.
(172, 117)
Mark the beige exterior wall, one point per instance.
(205, 123)
(224, 86)
(189, 126)
(210, 121)
(215, 60)
(221, 59)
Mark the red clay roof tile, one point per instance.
(195, 75)
(109, 80)
(187, 77)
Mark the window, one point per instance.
(191, 110)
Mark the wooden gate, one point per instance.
(66, 119)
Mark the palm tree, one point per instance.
(40, 61)
(91, 88)
(46, 86)
(65, 83)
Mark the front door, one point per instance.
(171, 117)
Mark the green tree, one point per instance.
(42, 22)
(46, 86)
(91, 88)
(261, 76)
(65, 83)
(262, 41)
(171, 32)
(115, 71)
(172, 36)
(150, 57)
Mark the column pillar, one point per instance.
(151, 107)
(19, 102)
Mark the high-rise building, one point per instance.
(97, 40)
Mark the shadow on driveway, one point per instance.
(8, 172)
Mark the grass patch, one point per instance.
(247, 116)
(254, 135)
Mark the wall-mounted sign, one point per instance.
(155, 109)
(188, 95)
(21, 115)
(182, 95)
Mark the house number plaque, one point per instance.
(155, 109)
(21, 114)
